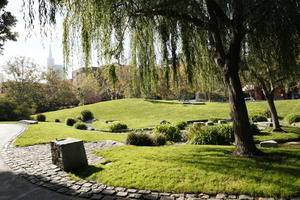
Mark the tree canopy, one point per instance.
(177, 32)
(7, 21)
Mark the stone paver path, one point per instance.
(34, 164)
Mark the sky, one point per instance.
(36, 46)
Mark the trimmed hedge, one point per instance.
(115, 127)
(139, 139)
(70, 121)
(217, 135)
(171, 133)
(86, 115)
(80, 126)
(41, 118)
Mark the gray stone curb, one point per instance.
(33, 163)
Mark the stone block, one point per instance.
(68, 154)
(209, 124)
(222, 121)
(269, 143)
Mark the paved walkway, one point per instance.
(13, 187)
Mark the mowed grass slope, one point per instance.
(46, 132)
(140, 113)
(196, 169)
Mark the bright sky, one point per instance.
(35, 47)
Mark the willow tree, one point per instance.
(176, 25)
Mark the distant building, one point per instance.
(52, 66)
(82, 71)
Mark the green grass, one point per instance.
(9, 122)
(140, 113)
(292, 134)
(196, 169)
(45, 132)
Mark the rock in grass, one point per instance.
(269, 143)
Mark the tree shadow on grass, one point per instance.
(161, 102)
(86, 172)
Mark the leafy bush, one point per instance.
(139, 139)
(292, 118)
(87, 115)
(218, 135)
(117, 127)
(259, 118)
(10, 111)
(41, 118)
(266, 113)
(70, 121)
(181, 125)
(159, 139)
(80, 126)
(170, 132)
(57, 120)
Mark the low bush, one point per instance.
(170, 132)
(159, 139)
(70, 121)
(139, 139)
(57, 120)
(292, 118)
(181, 125)
(80, 126)
(258, 118)
(87, 115)
(266, 113)
(10, 111)
(114, 127)
(41, 118)
(217, 135)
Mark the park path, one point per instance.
(13, 187)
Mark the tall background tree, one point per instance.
(7, 21)
(181, 26)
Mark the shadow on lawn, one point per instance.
(161, 102)
(88, 171)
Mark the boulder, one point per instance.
(68, 154)
(269, 143)
(222, 121)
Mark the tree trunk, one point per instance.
(244, 142)
(270, 99)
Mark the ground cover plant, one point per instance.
(197, 168)
(140, 113)
(45, 132)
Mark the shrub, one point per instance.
(80, 126)
(139, 139)
(266, 113)
(87, 115)
(258, 118)
(117, 127)
(181, 125)
(70, 121)
(57, 120)
(218, 135)
(292, 118)
(10, 111)
(159, 139)
(41, 118)
(254, 129)
(170, 132)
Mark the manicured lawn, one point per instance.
(292, 134)
(140, 113)
(196, 169)
(46, 132)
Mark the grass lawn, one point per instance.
(46, 132)
(292, 134)
(140, 113)
(196, 169)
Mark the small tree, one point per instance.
(7, 21)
